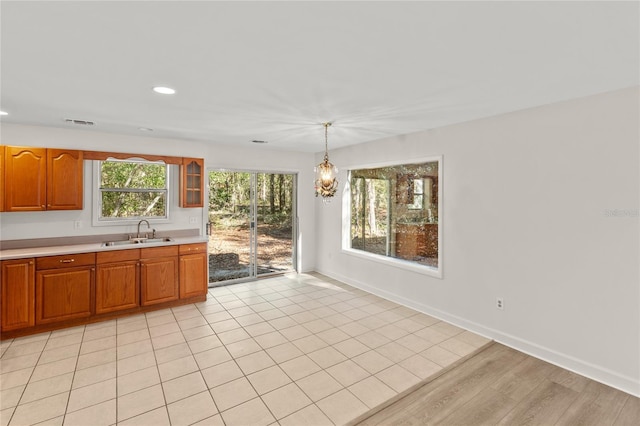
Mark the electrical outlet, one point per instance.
(500, 303)
(193, 220)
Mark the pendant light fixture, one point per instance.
(326, 183)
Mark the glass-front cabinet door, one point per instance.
(192, 182)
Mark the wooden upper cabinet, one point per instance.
(192, 182)
(2, 191)
(64, 179)
(42, 179)
(25, 178)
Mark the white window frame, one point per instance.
(386, 260)
(97, 197)
(421, 194)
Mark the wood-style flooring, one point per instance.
(501, 386)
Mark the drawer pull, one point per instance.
(67, 260)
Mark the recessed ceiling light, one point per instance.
(258, 141)
(145, 129)
(4, 113)
(164, 90)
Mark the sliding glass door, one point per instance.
(251, 225)
(274, 220)
(230, 219)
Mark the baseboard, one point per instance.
(603, 375)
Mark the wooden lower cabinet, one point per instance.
(417, 240)
(431, 240)
(65, 287)
(64, 294)
(117, 280)
(45, 293)
(18, 294)
(194, 278)
(410, 241)
(159, 275)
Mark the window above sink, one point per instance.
(126, 191)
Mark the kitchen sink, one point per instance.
(156, 240)
(136, 241)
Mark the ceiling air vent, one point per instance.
(79, 122)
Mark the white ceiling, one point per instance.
(276, 70)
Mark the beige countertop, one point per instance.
(91, 247)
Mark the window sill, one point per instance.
(397, 263)
(126, 222)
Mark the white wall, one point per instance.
(25, 225)
(525, 218)
(525, 197)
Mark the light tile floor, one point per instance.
(291, 350)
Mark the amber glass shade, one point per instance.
(326, 183)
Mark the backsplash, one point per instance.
(86, 239)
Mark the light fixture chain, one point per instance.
(326, 140)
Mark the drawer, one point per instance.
(153, 252)
(66, 261)
(193, 248)
(103, 257)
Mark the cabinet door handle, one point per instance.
(67, 260)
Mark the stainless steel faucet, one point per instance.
(140, 223)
